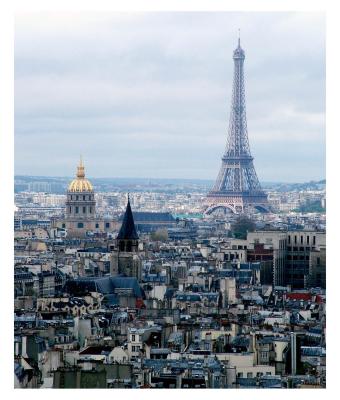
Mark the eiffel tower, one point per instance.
(237, 188)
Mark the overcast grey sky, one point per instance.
(148, 94)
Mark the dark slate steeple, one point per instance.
(128, 229)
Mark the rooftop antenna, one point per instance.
(239, 37)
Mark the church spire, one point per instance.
(128, 229)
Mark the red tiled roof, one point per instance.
(320, 299)
(299, 296)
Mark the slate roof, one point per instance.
(158, 365)
(188, 297)
(266, 340)
(105, 285)
(169, 293)
(270, 382)
(153, 217)
(19, 371)
(247, 382)
(160, 351)
(315, 351)
(111, 299)
(256, 298)
(96, 350)
(93, 250)
(23, 275)
(154, 278)
(240, 341)
(176, 337)
(128, 229)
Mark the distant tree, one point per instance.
(311, 206)
(160, 235)
(241, 226)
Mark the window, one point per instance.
(249, 374)
(84, 197)
(295, 239)
(70, 210)
(289, 239)
(240, 374)
(107, 224)
(295, 248)
(307, 239)
(77, 197)
(90, 210)
(133, 338)
(313, 240)
(80, 225)
(302, 248)
(84, 210)
(289, 248)
(301, 239)
(77, 210)
(97, 225)
(63, 226)
(268, 373)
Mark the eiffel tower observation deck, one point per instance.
(237, 188)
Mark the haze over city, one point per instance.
(148, 95)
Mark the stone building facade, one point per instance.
(80, 216)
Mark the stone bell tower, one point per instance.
(125, 258)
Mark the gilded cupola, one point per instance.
(80, 183)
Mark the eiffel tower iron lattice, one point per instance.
(237, 187)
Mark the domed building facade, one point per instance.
(80, 217)
(80, 203)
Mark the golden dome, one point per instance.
(80, 183)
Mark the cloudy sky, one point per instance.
(148, 94)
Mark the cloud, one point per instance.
(149, 94)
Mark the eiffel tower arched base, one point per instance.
(235, 205)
